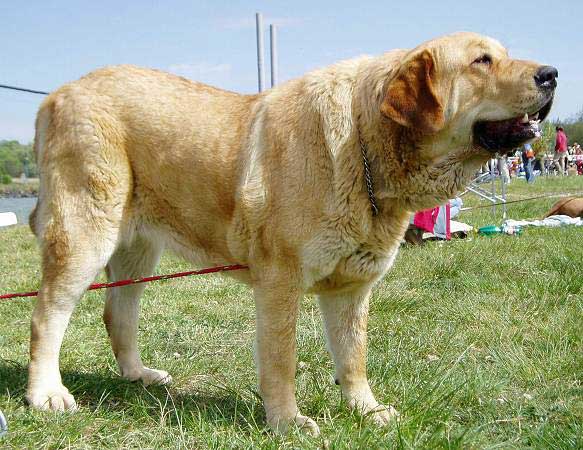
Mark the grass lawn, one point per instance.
(477, 342)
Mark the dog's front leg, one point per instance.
(277, 303)
(345, 318)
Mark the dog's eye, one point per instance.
(484, 59)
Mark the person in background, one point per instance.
(538, 164)
(527, 158)
(578, 158)
(561, 149)
(503, 169)
(514, 166)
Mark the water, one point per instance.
(19, 206)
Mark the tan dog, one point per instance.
(570, 206)
(134, 161)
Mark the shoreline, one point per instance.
(19, 190)
(18, 194)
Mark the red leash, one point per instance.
(140, 280)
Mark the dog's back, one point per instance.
(124, 142)
(570, 206)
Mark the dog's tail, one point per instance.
(32, 221)
(43, 119)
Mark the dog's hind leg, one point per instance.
(85, 187)
(134, 260)
(74, 250)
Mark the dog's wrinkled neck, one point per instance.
(402, 172)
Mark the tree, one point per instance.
(546, 142)
(4, 177)
(574, 132)
(16, 158)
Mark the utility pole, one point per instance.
(260, 68)
(274, 62)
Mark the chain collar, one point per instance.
(368, 177)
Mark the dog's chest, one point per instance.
(335, 261)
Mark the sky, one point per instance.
(45, 43)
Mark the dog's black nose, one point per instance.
(545, 77)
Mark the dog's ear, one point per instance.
(410, 99)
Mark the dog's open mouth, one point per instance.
(506, 135)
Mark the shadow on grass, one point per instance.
(104, 394)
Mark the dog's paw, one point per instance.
(282, 425)
(365, 404)
(147, 376)
(154, 376)
(54, 398)
(307, 425)
(382, 415)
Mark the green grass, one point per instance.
(477, 342)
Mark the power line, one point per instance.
(560, 195)
(32, 91)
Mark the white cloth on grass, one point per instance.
(551, 221)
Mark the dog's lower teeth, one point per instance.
(525, 118)
(535, 116)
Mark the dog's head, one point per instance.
(463, 90)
